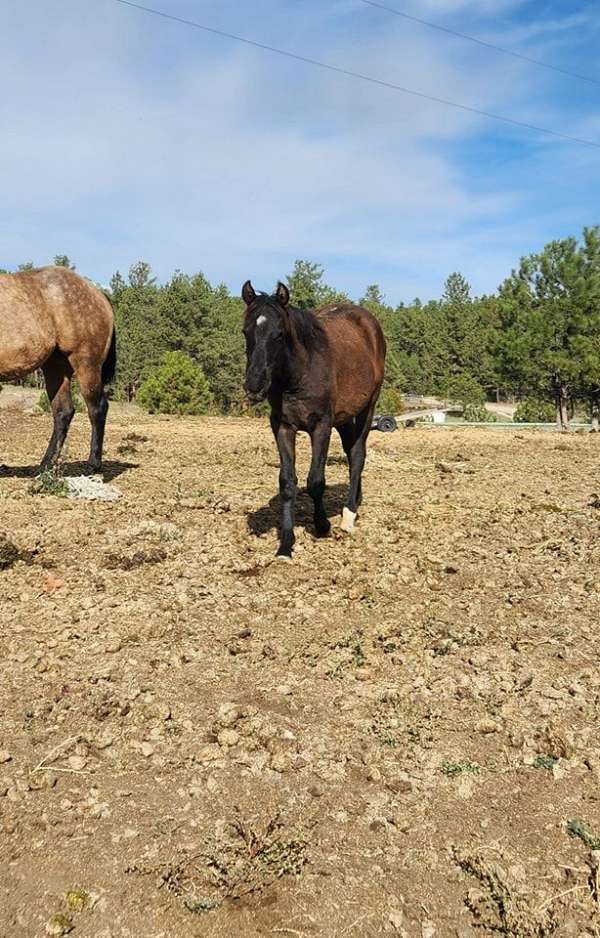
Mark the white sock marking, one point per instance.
(348, 518)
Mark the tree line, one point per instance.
(537, 339)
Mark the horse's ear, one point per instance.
(282, 293)
(248, 293)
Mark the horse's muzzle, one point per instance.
(257, 386)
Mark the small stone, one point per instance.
(374, 775)
(5, 756)
(163, 712)
(427, 929)
(396, 918)
(104, 740)
(228, 738)
(487, 726)
(400, 783)
(229, 714)
(41, 780)
(147, 750)
(558, 771)
(128, 833)
(209, 754)
(77, 763)
(279, 762)
(284, 690)
(59, 925)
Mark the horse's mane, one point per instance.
(305, 323)
(309, 330)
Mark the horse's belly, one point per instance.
(23, 348)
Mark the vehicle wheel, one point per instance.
(387, 424)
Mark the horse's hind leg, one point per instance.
(89, 378)
(358, 454)
(315, 485)
(347, 434)
(58, 374)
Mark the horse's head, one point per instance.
(265, 328)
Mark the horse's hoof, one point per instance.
(322, 530)
(348, 519)
(287, 557)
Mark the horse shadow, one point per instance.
(111, 469)
(269, 516)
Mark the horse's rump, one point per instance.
(51, 309)
(358, 350)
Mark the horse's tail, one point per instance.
(110, 362)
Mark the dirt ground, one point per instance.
(393, 734)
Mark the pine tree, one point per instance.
(551, 323)
(176, 386)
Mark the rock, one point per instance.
(209, 754)
(114, 643)
(362, 674)
(228, 738)
(279, 762)
(59, 925)
(396, 918)
(487, 726)
(399, 782)
(427, 929)
(147, 750)
(163, 712)
(465, 787)
(77, 763)
(228, 714)
(104, 740)
(40, 781)
(92, 488)
(5, 756)
(128, 833)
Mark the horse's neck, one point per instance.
(297, 368)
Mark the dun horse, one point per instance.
(319, 370)
(55, 320)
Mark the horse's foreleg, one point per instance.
(286, 444)
(57, 375)
(315, 484)
(356, 458)
(92, 390)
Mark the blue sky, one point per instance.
(126, 137)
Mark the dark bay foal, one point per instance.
(319, 370)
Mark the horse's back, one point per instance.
(358, 348)
(46, 309)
